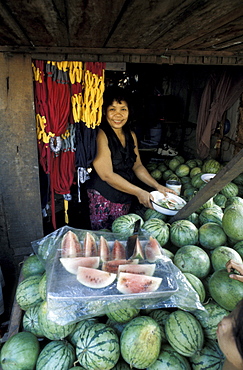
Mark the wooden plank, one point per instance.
(226, 175)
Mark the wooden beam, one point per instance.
(226, 175)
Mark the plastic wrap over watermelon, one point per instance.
(88, 272)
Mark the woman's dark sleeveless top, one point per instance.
(123, 160)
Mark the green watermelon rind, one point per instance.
(56, 354)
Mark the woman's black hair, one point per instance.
(238, 328)
(118, 94)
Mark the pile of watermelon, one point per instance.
(127, 337)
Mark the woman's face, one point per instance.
(117, 114)
(226, 340)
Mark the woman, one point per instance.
(117, 166)
(230, 338)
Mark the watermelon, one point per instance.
(183, 232)
(225, 291)
(211, 166)
(27, 292)
(89, 246)
(32, 266)
(121, 312)
(124, 225)
(185, 180)
(112, 266)
(70, 245)
(194, 171)
(229, 190)
(212, 235)
(182, 170)
(210, 318)
(239, 248)
(180, 158)
(194, 218)
(210, 357)
(121, 365)
(221, 255)
(152, 213)
(170, 359)
(118, 251)
(192, 259)
(151, 166)
(79, 327)
(220, 200)
(140, 342)
(191, 163)
(98, 347)
(42, 286)
(184, 333)
(174, 163)
(50, 329)
(208, 204)
(117, 326)
(30, 321)
(103, 249)
(138, 251)
(167, 174)
(156, 174)
(152, 250)
(234, 201)
(196, 180)
(197, 285)
(134, 283)
(160, 316)
(72, 264)
(162, 167)
(57, 354)
(238, 180)
(94, 278)
(158, 229)
(232, 222)
(141, 269)
(20, 352)
(211, 215)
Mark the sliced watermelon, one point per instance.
(118, 251)
(152, 250)
(134, 283)
(138, 251)
(103, 249)
(143, 269)
(94, 278)
(90, 248)
(70, 245)
(72, 264)
(112, 266)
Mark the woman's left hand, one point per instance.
(162, 189)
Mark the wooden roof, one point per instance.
(161, 31)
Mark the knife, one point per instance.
(131, 241)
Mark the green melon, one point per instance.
(57, 354)
(79, 328)
(169, 359)
(124, 225)
(221, 255)
(174, 163)
(196, 180)
(232, 222)
(225, 291)
(152, 213)
(194, 218)
(121, 365)
(220, 200)
(98, 347)
(230, 190)
(239, 248)
(211, 235)
(185, 180)
(180, 158)
(184, 333)
(210, 318)
(182, 170)
(167, 174)
(121, 312)
(197, 285)
(211, 215)
(191, 163)
(162, 167)
(158, 229)
(32, 266)
(192, 259)
(194, 171)
(151, 166)
(27, 292)
(234, 201)
(238, 180)
(117, 326)
(30, 321)
(211, 166)
(42, 287)
(156, 174)
(50, 329)
(210, 357)
(208, 204)
(160, 316)
(140, 342)
(20, 352)
(183, 232)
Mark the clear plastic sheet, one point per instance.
(69, 301)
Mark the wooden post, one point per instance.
(226, 175)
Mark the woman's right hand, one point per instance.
(144, 197)
(232, 265)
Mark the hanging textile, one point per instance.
(218, 96)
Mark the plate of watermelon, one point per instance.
(169, 204)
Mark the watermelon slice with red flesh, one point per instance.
(112, 266)
(143, 269)
(134, 283)
(152, 250)
(138, 251)
(94, 278)
(118, 251)
(70, 245)
(72, 264)
(103, 249)
(90, 248)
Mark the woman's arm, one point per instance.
(103, 166)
